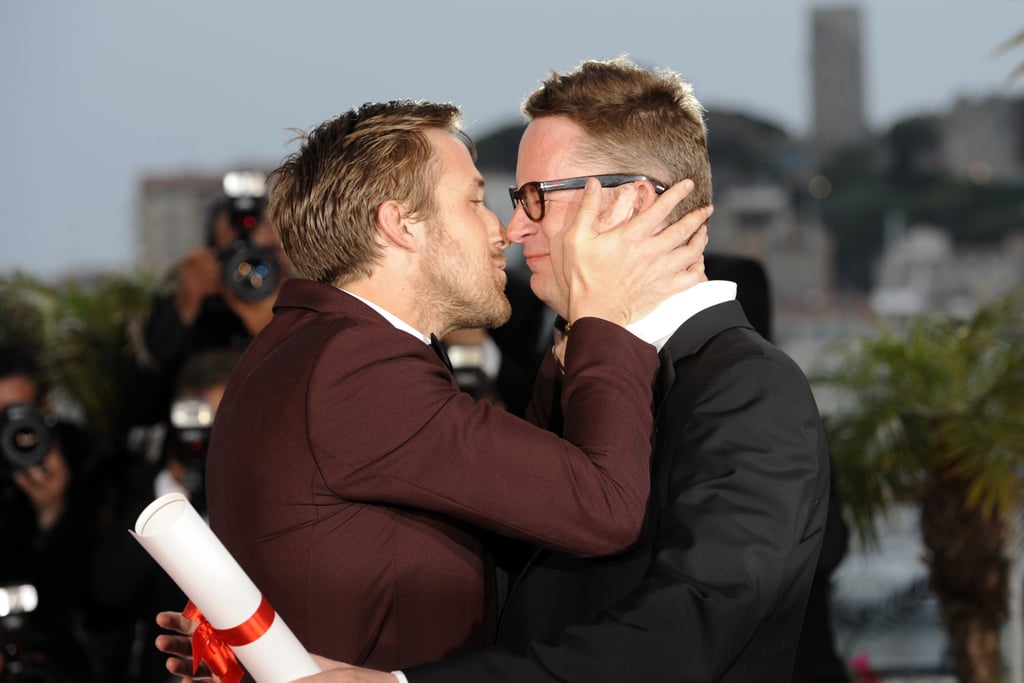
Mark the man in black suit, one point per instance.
(716, 587)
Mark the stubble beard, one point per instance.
(462, 295)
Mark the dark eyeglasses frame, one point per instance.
(542, 186)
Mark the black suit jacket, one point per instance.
(715, 589)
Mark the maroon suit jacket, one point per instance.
(350, 477)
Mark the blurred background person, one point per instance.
(48, 522)
(223, 294)
(475, 361)
(129, 587)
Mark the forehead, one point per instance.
(457, 165)
(547, 150)
(17, 389)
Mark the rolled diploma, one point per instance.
(180, 541)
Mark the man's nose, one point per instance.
(519, 226)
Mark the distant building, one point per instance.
(982, 139)
(172, 216)
(923, 272)
(837, 78)
(759, 222)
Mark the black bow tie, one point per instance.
(439, 349)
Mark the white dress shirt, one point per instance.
(656, 327)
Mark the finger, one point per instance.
(674, 194)
(622, 209)
(690, 255)
(665, 203)
(684, 230)
(180, 646)
(34, 475)
(176, 621)
(686, 261)
(183, 670)
(652, 220)
(586, 215)
(697, 267)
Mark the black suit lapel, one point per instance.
(689, 338)
(666, 378)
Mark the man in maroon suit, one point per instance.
(347, 473)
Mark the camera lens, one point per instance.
(24, 436)
(251, 273)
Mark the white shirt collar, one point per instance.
(656, 327)
(392, 318)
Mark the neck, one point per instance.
(396, 293)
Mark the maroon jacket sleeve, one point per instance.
(544, 408)
(412, 439)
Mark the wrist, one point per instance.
(48, 515)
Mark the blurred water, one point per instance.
(883, 609)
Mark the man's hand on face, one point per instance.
(619, 264)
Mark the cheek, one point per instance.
(552, 226)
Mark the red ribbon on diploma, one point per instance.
(213, 646)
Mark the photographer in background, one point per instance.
(128, 586)
(223, 294)
(47, 522)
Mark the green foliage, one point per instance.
(1014, 43)
(82, 331)
(941, 399)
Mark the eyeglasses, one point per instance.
(531, 195)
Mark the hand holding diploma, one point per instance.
(235, 618)
(180, 664)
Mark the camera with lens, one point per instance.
(36, 646)
(25, 437)
(251, 272)
(468, 367)
(188, 438)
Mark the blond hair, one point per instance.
(325, 196)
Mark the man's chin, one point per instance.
(540, 285)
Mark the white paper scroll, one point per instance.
(179, 540)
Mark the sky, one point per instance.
(94, 94)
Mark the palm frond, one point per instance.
(82, 333)
(942, 399)
(1012, 43)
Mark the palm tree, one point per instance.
(935, 417)
(1013, 43)
(83, 332)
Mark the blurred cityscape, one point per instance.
(855, 226)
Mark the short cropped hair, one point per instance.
(324, 197)
(638, 120)
(207, 369)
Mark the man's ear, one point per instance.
(395, 227)
(645, 196)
